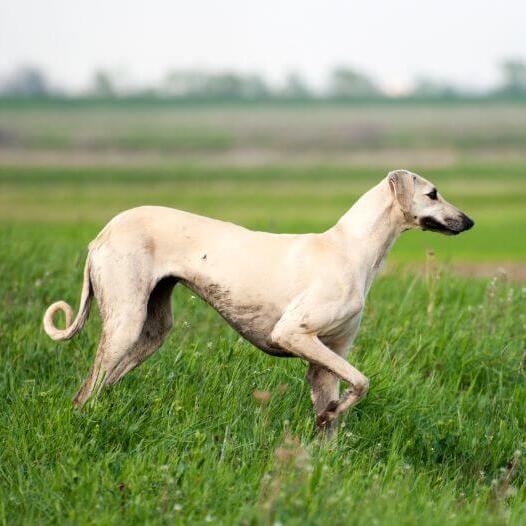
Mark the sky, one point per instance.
(461, 41)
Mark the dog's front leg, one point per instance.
(324, 388)
(309, 347)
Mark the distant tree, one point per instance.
(184, 83)
(229, 85)
(426, 87)
(113, 82)
(254, 87)
(103, 84)
(296, 86)
(27, 82)
(346, 82)
(514, 77)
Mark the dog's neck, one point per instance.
(370, 228)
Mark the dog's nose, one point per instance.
(468, 222)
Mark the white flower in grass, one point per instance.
(178, 507)
(209, 518)
(510, 491)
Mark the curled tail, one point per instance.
(73, 326)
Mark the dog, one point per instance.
(289, 295)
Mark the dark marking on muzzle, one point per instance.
(450, 226)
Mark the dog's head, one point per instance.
(423, 207)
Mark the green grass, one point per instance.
(277, 198)
(439, 439)
(182, 438)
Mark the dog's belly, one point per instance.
(254, 321)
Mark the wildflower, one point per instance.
(261, 397)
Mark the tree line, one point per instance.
(342, 83)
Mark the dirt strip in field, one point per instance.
(505, 270)
(515, 271)
(254, 157)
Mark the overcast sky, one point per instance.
(394, 40)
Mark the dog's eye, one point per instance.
(432, 194)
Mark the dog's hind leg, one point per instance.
(129, 336)
(158, 323)
(119, 335)
(121, 284)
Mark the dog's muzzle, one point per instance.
(450, 226)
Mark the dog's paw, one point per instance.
(324, 418)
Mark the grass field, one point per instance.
(441, 437)
(276, 198)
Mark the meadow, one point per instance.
(441, 437)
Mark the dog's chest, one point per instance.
(342, 321)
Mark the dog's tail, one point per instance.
(72, 326)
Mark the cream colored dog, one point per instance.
(289, 295)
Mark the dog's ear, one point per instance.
(402, 185)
